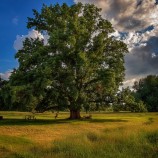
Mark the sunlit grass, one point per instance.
(111, 135)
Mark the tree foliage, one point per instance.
(127, 102)
(5, 97)
(81, 64)
(146, 89)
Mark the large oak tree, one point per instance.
(80, 65)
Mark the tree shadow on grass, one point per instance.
(23, 122)
(106, 120)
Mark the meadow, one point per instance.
(106, 135)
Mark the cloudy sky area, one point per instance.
(135, 22)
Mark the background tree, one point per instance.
(146, 89)
(81, 64)
(5, 96)
(127, 102)
(1, 97)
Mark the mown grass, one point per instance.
(106, 135)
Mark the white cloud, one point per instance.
(129, 83)
(6, 75)
(18, 43)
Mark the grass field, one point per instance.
(106, 135)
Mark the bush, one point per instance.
(138, 107)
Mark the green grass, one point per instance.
(106, 135)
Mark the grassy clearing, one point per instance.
(110, 135)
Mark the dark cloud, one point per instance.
(139, 2)
(143, 60)
(129, 23)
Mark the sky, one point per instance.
(135, 22)
(13, 17)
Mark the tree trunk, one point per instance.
(75, 114)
